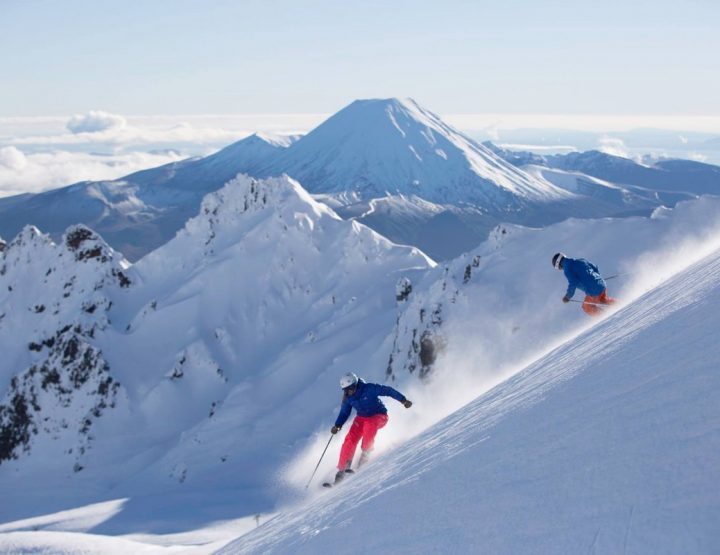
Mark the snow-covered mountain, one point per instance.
(388, 163)
(375, 148)
(226, 344)
(370, 150)
(141, 211)
(182, 369)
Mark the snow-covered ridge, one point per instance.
(54, 299)
(267, 211)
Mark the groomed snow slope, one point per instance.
(608, 444)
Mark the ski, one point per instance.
(348, 472)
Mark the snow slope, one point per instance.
(608, 444)
(229, 340)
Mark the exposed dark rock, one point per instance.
(78, 236)
(430, 346)
(95, 252)
(15, 427)
(73, 376)
(403, 289)
(123, 280)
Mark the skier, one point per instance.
(585, 276)
(371, 416)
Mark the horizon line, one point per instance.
(474, 121)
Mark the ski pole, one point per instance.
(321, 458)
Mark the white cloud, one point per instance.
(12, 158)
(95, 121)
(697, 157)
(34, 173)
(39, 153)
(613, 146)
(195, 133)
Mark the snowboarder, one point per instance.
(371, 416)
(584, 275)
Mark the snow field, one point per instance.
(608, 444)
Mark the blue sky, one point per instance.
(280, 56)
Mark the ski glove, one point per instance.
(566, 299)
(407, 403)
(334, 430)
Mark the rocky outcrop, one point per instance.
(55, 299)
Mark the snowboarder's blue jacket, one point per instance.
(582, 275)
(366, 401)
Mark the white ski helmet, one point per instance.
(557, 259)
(348, 379)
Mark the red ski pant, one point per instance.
(365, 428)
(590, 303)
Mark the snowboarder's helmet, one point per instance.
(348, 380)
(557, 259)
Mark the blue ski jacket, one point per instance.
(366, 401)
(582, 275)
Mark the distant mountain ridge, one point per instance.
(388, 163)
(686, 176)
(143, 210)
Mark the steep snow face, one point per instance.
(480, 316)
(54, 300)
(609, 444)
(391, 146)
